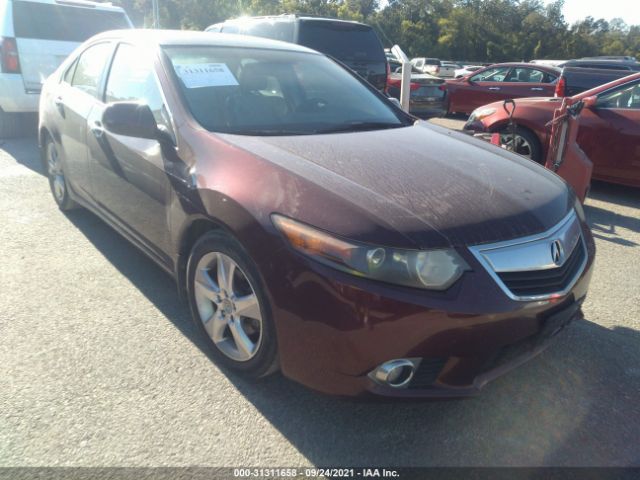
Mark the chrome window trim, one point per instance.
(571, 219)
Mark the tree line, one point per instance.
(467, 30)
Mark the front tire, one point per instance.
(229, 306)
(527, 144)
(57, 179)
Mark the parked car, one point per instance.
(35, 36)
(354, 44)
(466, 70)
(602, 64)
(313, 225)
(499, 82)
(575, 80)
(428, 94)
(548, 63)
(427, 65)
(609, 131)
(448, 69)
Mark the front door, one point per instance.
(610, 134)
(129, 172)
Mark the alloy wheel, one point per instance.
(228, 306)
(522, 145)
(56, 174)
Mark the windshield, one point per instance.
(254, 91)
(63, 22)
(347, 42)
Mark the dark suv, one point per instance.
(604, 64)
(354, 44)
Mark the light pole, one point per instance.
(156, 13)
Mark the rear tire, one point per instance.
(56, 176)
(229, 306)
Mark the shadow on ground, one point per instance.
(607, 225)
(576, 404)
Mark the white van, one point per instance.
(35, 37)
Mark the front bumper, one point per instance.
(334, 329)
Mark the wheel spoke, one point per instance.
(206, 286)
(243, 343)
(215, 326)
(248, 306)
(226, 269)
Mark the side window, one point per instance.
(496, 74)
(525, 75)
(229, 29)
(68, 75)
(89, 68)
(626, 97)
(132, 79)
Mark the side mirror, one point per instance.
(132, 119)
(590, 102)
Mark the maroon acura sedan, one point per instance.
(312, 225)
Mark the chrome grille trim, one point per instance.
(533, 254)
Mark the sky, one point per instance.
(628, 10)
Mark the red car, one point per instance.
(609, 128)
(313, 226)
(500, 82)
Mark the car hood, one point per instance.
(435, 186)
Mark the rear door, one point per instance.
(46, 33)
(610, 134)
(480, 89)
(129, 173)
(76, 97)
(528, 82)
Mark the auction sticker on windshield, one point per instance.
(198, 75)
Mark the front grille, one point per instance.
(427, 372)
(544, 282)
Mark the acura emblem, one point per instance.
(557, 252)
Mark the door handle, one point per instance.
(59, 105)
(494, 88)
(97, 129)
(537, 89)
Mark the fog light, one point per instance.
(395, 373)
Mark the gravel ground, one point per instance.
(100, 366)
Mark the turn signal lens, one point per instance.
(427, 269)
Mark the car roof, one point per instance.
(292, 17)
(149, 37)
(81, 3)
(525, 64)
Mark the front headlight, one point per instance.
(480, 113)
(427, 269)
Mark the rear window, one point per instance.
(344, 41)
(277, 30)
(62, 22)
(432, 61)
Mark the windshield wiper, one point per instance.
(361, 127)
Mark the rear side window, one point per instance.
(344, 41)
(63, 22)
(89, 68)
